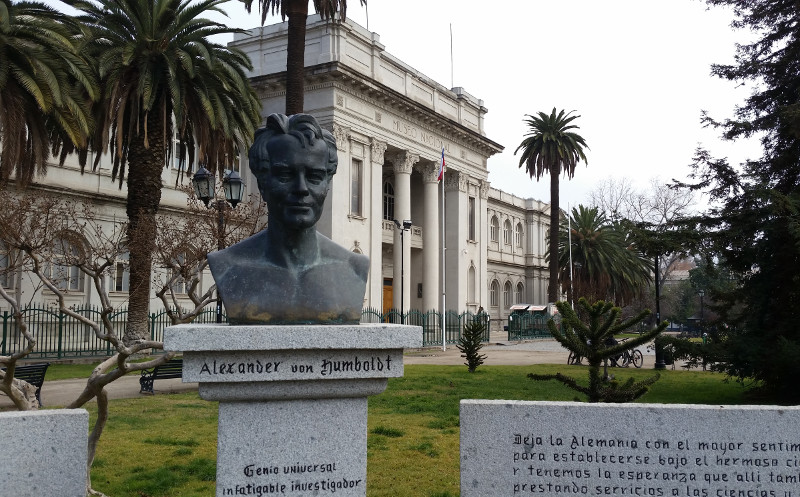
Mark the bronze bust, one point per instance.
(289, 273)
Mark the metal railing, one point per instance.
(60, 336)
(530, 326)
(431, 323)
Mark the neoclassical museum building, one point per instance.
(391, 125)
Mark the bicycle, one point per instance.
(628, 357)
(623, 360)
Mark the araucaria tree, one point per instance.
(297, 12)
(162, 77)
(590, 340)
(470, 344)
(754, 224)
(550, 146)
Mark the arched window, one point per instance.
(471, 285)
(388, 201)
(64, 270)
(495, 229)
(507, 232)
(519, 297)
(494, 294)
(518, 235)
(507, 295)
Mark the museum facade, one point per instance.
(455, 242)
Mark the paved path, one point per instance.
(499, 351)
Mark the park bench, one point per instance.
(170, 369)
(33, 374)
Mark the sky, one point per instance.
(637, 72)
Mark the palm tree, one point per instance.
(162, 76)
(297, 12)
(606, 265)
(550, 147)
(46, 89)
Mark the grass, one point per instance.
(165, 445)
(69, 371)
(77, 370)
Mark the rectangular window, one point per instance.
(179, 284)
(122, 275)
(356, 182)
(63, 272)
(67, 277)
(6, 278)
(472, 218)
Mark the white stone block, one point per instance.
(513, 448)
(44, 453)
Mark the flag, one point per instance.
(441, 168)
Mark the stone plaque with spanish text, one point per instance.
(513, 448)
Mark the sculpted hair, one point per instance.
(303, 127)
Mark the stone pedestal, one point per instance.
(293, 400)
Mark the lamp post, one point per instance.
(402, 227)
(660, 363)
(702, 294)
(204, 188)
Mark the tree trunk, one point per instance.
(297, 11)
(144, 196)
(552, 285)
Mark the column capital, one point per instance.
(430, 172)
(484, 189)
(403, 161)
(342, 135)
(455, 181)
(378, 149)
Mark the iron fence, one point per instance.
(431, 323)
(530, 326)
(61, 336)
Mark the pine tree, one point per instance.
(753, 226)
(591, 341)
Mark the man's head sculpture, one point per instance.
(290, 273)
(299, 134)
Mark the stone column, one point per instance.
(292, 400)
(403, 164)
(431, 232)
(457, 222)
(374, 204)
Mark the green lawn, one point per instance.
(165, 445)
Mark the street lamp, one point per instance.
(702, 294)
(660, 363)
(203, 182)
(402, 227)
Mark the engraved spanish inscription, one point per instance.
(687, 451)
(281, 479)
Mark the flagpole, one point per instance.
(444, 249)
(451, 56)
(569, 236)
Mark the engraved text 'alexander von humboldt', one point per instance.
(325, 367)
